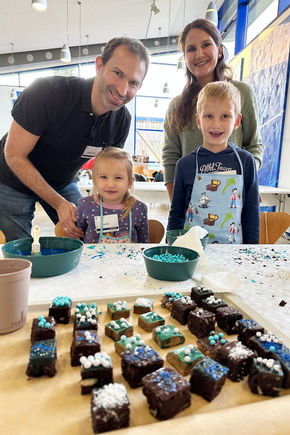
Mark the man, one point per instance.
(58, 124)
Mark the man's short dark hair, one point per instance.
(133, 45)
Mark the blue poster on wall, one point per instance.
(266, 68)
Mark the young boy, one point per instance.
(217, 183)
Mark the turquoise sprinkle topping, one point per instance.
(223, 341)
(170, 258)
(221, 334)
(272, 348)
(41, 323)
(216, 337)
(47, 325)
(212, 342)
(61, 301)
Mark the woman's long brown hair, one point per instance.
(182, 114)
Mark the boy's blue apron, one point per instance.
(216, 204)
(105, 238)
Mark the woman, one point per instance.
(204, 56)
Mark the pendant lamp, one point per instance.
(65, 55)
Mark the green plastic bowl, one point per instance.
(59, 254)
(170, 271)
(171, 236)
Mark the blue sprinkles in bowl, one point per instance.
(170, 263)
(170, 258)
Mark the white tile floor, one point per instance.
(155, 211)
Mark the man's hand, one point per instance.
(67, 216)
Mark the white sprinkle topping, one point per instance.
(239, 350)
(109, 396)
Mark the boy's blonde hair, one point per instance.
(117, 154)
(221, 90)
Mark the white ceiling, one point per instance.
(30, 30)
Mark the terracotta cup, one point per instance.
(14, 288)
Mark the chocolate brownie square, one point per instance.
(142, 305)
(207, 378)
(96, 371)
(110, 408)
(84, 343)
(86, 317)
(167, 392)
(128, 343)
(199, 292)
(43, 328)
(265, 344)
(265, 377)
(201, 322)
(227, 317)
(209, 345)
(118, 309)
(247, 328)
(181, 308)
(237, 357)
(116, 328)
(138, 363)
(283, 356)
(60, 309)
(212, 303)
(42, 358)
(167, 336)
(184, 358)
(149, 321)
(168, 298)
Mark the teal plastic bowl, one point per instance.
(171, 236)
(59, 254)
(170, 271)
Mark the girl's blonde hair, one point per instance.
(117, 154)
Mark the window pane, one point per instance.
(229, 12)
(261, 13)
(229, 41)
(9, 79)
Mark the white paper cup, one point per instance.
(14, 288)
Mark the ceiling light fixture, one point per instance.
(211, 13)
(65, 55)
(39, 5)
(165, 88)
(80, 28)
(11, 59)
(153, 10)
(180, 63)
(86, 49)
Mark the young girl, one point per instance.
(112, 214)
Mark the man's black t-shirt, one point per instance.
(58, 109)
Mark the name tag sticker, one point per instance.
(110, 223)
(90, 152)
